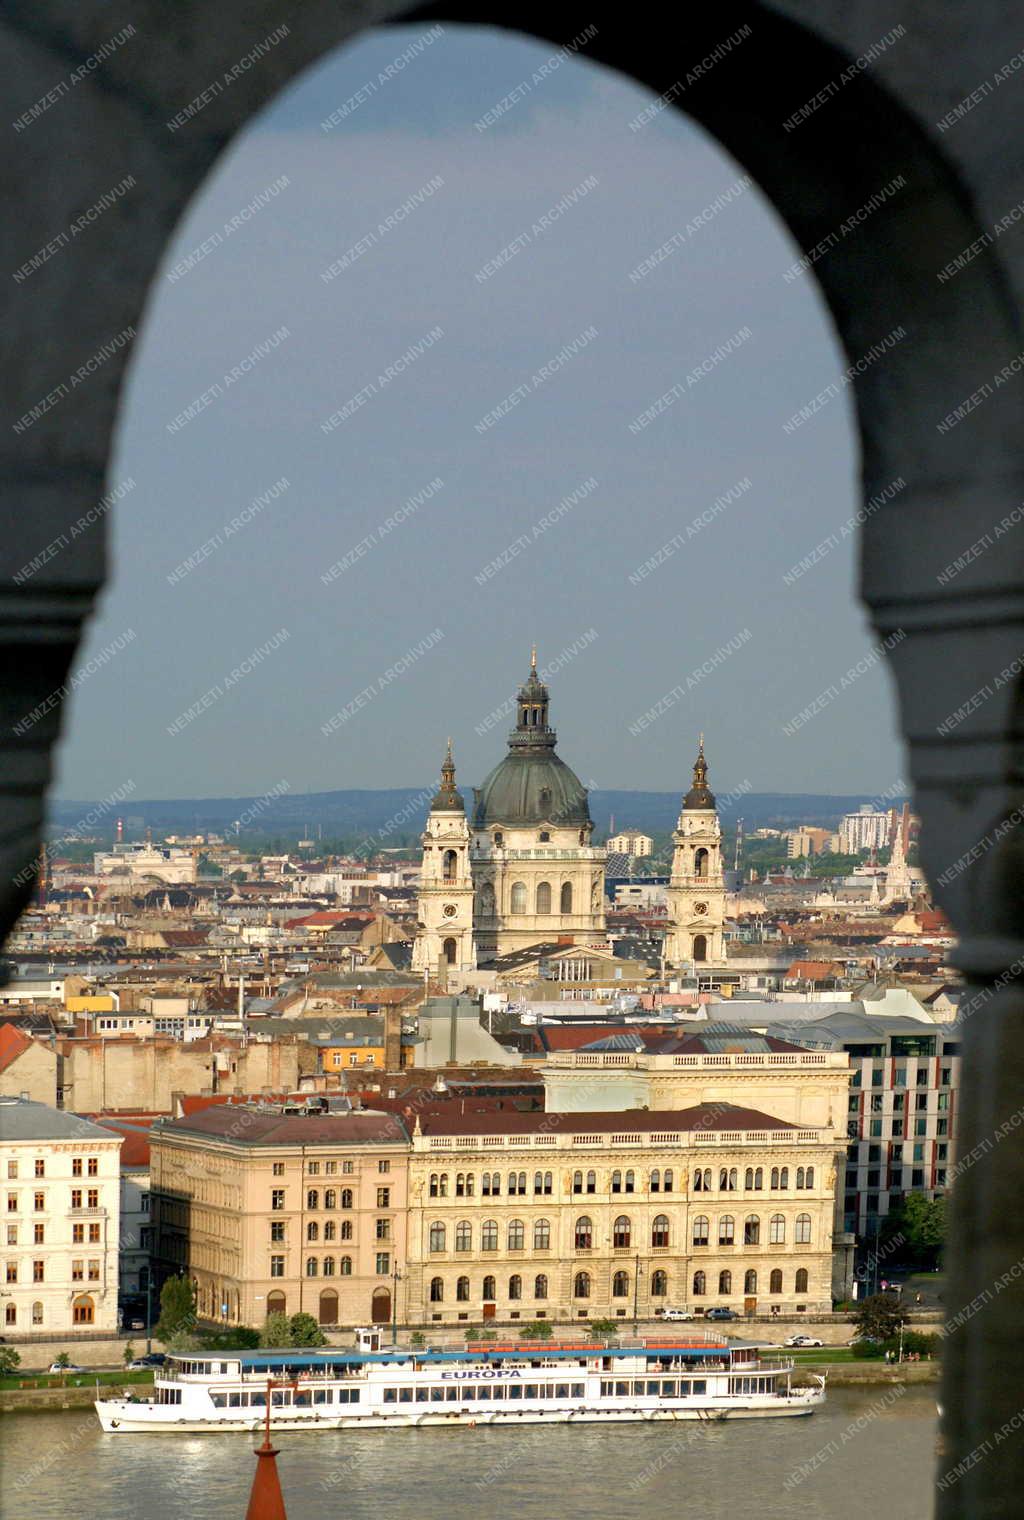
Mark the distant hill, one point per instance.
(400, 812)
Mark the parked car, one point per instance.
(678, 1314)
(71, 1367)
(721, 1314)
(153, 1359)
(802, 1340)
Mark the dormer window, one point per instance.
(544, 836)
(499, 837)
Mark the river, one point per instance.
(867, 1452)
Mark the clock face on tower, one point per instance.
(449, 910)
(700, 907)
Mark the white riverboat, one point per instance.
(696, 1376)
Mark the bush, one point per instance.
(128, 1354)
(241, 1338)
(276, 1331)
(10, 1360)
(537, 1330)
(417, 1339)
(602, 1329)
(305, 1331)
(867, 1351)
(177, 1309)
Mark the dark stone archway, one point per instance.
(942, 413)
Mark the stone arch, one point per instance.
(818, 161)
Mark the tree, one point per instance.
(537, 1330)
(128, 1354)
(277, 1330)
(9, 1360)
(241, 1338)
(305, 1331)
(879, 1317)
(177, 1308)
(602, 1329)
(915, 1229)
(417, 1339)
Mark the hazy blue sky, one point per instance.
(569, 584)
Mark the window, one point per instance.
(621, 1233)
(700, 1284)
(78, 1234)
(577, 1182)
(489, 1235)
(277, 1229)
(516, 1235)
(436, 1290)
(83, 1311)
(383, 1263)
(437, 1237)
(277, 1266)
(39, 1270)
(659, 1284)
(630, 1182)
(463, 1235)
(581, 1285)
(439, 1184)
(517, 1184)
(77, 1271)
(659, 1231)
(349, 1166)
(727, 1179)
(490, 1290)
(583, 1235)
(801, 1280)
(616, 1182)
(875, 1127)
(312, 1230)
(544, 897)
(541, 1235)
(726, 1230)
(899, 1102)
(701, 1226)
(94, 1234)
(462, 1290)
(37, 1313)
(383, 1166)
(92, 1167)
(464, 1185)
(565, 897)
(655, 1183)
(346, 1229)
(702, 1180)
(311, 1267)
(542, 1183)
(620, 1285)
(12, 1170)
(517, 902)
(94, 1270)
(775, 1282)
(278, 1168)
(277, 1198)
(490, 1187)
(382, 1229)
(329, 1229)
(92, 1198)
(777, 1230)
(540, 1286)
(345, 1266)
(725, 1282)
(667, 1181)
(752, 1230)
(803, 1229)
(40, 1168)
(76, 1166)
(330, 1167)
(750, 1282)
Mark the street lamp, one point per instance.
(396, 1278)
(149, 1311)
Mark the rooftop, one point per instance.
(21, 1119)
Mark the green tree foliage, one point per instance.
(10, 1360)
(277, 1331)
(177, 1308)
(879, 1317)
(305, 1331)
(536, 1330)
(603, 1329)
(128, 1354)
(915, 1229)
(241, 1338)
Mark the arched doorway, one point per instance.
(451, 951)
(328, 1307)
(700, 947)
(380, 1306)
(276, 1302)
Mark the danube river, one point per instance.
(869, 1451)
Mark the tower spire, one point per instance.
(700, 794)
(448, 798)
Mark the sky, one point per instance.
(417, 389)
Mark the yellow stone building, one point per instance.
(269, 1209)
(617, 1215)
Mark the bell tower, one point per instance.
(444, 938)
(696, 892)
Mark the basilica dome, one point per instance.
(531, 785)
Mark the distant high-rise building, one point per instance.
(626, 843)
(866, 829)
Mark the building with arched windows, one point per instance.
(524, 871)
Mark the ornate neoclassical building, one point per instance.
(523, 871)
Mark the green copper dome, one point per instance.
(531, 785)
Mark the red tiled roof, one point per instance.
(13, 1043)
(813, 971)
(705, 1117)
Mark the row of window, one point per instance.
(660, 1181)
(39, 1200)
(330, 1168)
(481, 1393)
(899, 1103)
(38, 1271)
(701, 1230)
(83, 1312)
(899, 1076)
(39, 1234)
(897, 1128)
(11, 1314)
(582, 1286)
(518, 898)
(324, 1266)
(91, 1164)
(753, 1179)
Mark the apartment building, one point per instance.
(61, 1218)
(272, 1208)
